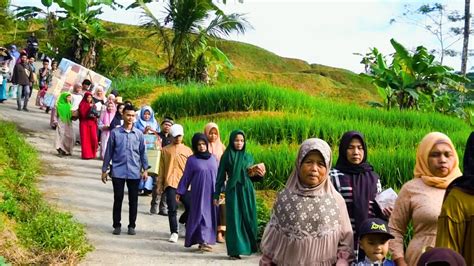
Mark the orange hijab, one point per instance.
(216, 147)
(421, 166)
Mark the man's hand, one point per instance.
(178, 197)
(145, 175)
(104, 177)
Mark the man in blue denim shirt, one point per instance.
(126, 150)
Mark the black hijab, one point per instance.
(466, 182)
(116, 121)
(364, 179)
(200, 155)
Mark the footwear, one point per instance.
(26, 109)
(205, 247)
(235, 257)
(117, 231)
(131, 231)
(173, 238)
(163, 213)
(153, 210)
(220, 237)
(182, 230)
(19, 109)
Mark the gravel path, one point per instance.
(74, 185)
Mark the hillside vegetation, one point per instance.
(130, 49)
(277, 120)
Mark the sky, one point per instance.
(326, 32)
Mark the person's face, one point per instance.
(85, 87)
(375, 246)
(178, 139)
(128, 116)
(166, 127)
(24, 58)
(69, 98)
(239, 142)
(54, 66)
(355, 151)
(212, 135)
(100, 92)
(89, 98)
(45, 64)
(121, 109)
(313, 169)
(146, 115)
(201, 146)
(31, 60)
(441, 160)
(110, 107)
(77, 89)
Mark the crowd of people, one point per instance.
(325, 215)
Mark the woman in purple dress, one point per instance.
(200, 173)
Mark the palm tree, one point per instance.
(187, 47)
(467, 31)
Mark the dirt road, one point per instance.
(74, 185)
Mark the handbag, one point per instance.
(93, 112)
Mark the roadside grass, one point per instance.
(32, 232)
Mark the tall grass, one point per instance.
(273, 137)
(193, 101)
(50, 237)
(131, 88)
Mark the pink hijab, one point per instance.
(107, 116)
(216, 147)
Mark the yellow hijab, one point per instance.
(421, 166)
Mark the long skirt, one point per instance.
(3, 90)
(89, 142)
(64, 137)
(104, 138)
(241, 219)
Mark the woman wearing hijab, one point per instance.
(99, 95)
(200, 173)
(456, 222)
(88, 127)
(64, 130)
(420, 199)
(309, 223)
(241, 210)
(117, 121)
(147, 122)
(356, 180)
(105, 120)
(217, 149)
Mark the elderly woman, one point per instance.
(420, 199)
(456, 222)
(309, 223)
(357, 182)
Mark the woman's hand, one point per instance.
(216, 202)
(400, 262)
(387, 211)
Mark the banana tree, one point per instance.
(411, 74)
(29, 12)
(195, 25)
(83, 28)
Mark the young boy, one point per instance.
(374, 237)
(172, 162)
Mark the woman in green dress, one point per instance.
(241, 210)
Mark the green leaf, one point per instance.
(47, 3)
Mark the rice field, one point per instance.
(277, 120)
